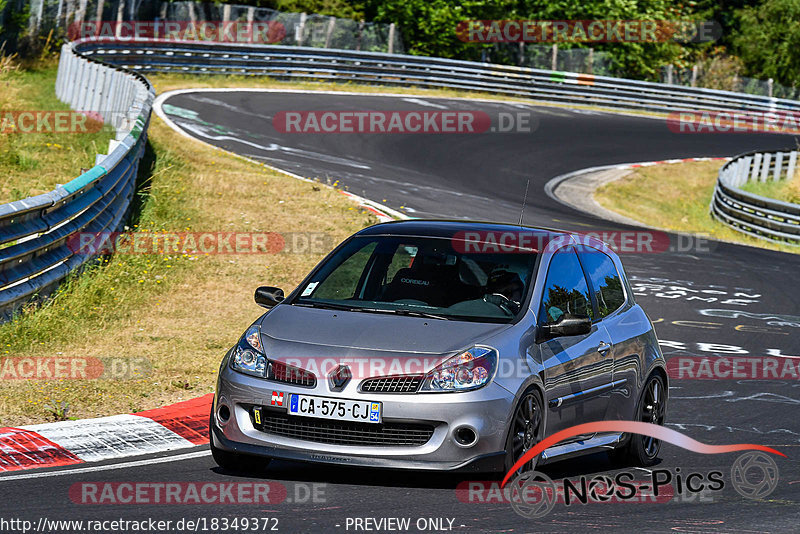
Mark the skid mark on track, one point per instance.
(784, 432)
(729, 396)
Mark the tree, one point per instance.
(768, 40)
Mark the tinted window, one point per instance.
(394, 274)
(566, 291)
(341, 284)
(605, 281)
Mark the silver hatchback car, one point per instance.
(443, 345)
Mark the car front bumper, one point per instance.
(485, 411)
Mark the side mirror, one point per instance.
(267, 297)
(567, 325)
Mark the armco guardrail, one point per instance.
(35, 252)
(196, 57)
(759, 216)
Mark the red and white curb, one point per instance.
(176, 426)
(665, 161)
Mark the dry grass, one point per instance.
(34, 163)
(786, 190)
(675, 197)
(181, 313)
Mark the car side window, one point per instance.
(606, 281)
(565, 290)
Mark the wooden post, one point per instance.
(554, 60)
(120, 11)
(670, 68)
(98, 13)
(81, 14)
(694, 75)
(59, 12)
(329, 35)
(590, 61)
(361, 25)
(192, 14)
(391, 38)
(299, 31)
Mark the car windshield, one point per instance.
(421, 276)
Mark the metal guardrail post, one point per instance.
(792, 163)
(756, 166)
(765, 167)
(776, 174)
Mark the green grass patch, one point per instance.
(675, 197)
(34, 163)
(785, 190)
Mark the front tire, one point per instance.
(526, 430)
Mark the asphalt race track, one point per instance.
(723, 300)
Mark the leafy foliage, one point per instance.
(768, 39)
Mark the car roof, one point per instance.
(487, 230)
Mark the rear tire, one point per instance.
(231, 461)
(643, 450)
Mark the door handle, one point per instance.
(603, 348)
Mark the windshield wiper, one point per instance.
(328, 306)
(415, 313)
(400, 311)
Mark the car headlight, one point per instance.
(248, 356)
(471, 369)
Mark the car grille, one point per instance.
(392, 384)
(343, 432)
(280, 372)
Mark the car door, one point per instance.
(609, 295)
(577, 369)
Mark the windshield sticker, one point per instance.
(309, 289)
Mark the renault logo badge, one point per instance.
(339, 377)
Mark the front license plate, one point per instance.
(340, 410)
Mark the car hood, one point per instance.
(371, 331)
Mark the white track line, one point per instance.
(163, 116)
(96, 468)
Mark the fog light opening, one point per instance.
(223, 413)
(465, 436)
